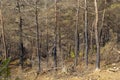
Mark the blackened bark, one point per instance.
(37, 36)
(21, 36)
(77, 36)
(55, 38)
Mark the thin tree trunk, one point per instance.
(55, 37)
(37, 36)
(118, 36)
(3, 32)
(92, 31)
(102, 23)
(59, 39)
(83, 56)
(3, 37)
(96, 36)
(76, 35)
(101, 28)
(21, 36)
(31, 55)
(86, 35)
(91, 40)
(69, 51)
(46, 22)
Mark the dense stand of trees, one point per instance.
(58, 32)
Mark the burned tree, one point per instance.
(55, 37)
(20, 34)
(37, 36)
(77, 35)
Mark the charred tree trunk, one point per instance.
(55, 38)
(96, 36)
(37, 37)
(86, 35)
(76, 35)
(21, 36)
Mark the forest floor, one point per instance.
(109, 72)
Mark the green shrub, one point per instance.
(72, 54)
(4, 70)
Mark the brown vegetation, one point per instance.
(60, 39)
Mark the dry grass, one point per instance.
(111, 72)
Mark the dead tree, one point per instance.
(76, 35)
(20, 35)
(37, 36)
(96, 36)
(3, 31)
(86, 35)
